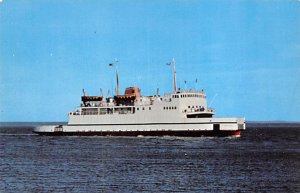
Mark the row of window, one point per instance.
(169, 108)
(188, 95)
(195, 107)
(143, 108)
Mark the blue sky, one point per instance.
(247, 53)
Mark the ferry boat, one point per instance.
(180, 113)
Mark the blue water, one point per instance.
(266, 158)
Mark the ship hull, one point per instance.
(192, 129)
(146, 133)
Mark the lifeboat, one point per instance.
(91, 98)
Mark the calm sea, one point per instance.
(266, 158)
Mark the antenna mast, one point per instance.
(115, 63)
(117, 77)
(174, 75)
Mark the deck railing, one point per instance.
(104, 110)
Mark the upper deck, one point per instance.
(187, 103)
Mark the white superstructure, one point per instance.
(180, 113)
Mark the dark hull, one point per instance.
(147, 133)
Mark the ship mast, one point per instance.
(174, 73)
(115, 63)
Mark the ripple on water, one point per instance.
(261, 160)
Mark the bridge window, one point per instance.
(200, 116)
